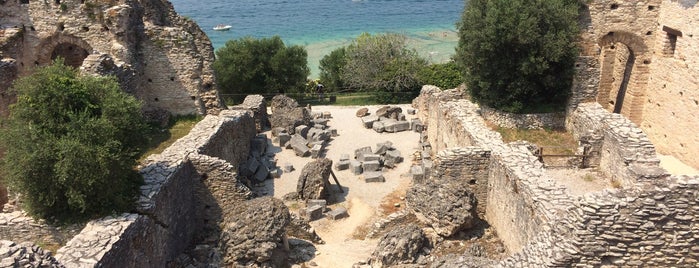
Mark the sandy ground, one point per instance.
(361, 199)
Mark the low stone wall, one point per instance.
(173, 208)
(649, 222)
(625, 152)
(526, 121)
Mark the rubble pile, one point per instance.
(371, 163)
(389, 119)
(260, 164)
(306, 132)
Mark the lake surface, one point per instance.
(323, 25)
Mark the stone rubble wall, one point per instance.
(186, 188)
(650, 221)
(467, 164)
(18, 226)
(520, 196)
(170, 54)
(526, 121)
(626, 154)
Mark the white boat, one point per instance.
(222, 27)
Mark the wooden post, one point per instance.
(336, 181)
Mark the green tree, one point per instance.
(444, 75)
(331, 69)
(260, 66)
(383, 64)
(518, 55)
(71, 143)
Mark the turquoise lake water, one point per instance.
(323, 25)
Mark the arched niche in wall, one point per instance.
(624, 74)
(72, 49)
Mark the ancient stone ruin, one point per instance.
(158, 56)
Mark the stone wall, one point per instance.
(672, 104)
(526, 121)
(170, 56)
(468, 165)
(625, 152)
(648, 221)
(186, 190)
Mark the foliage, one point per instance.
(517, 54)
(260, 66)
(71, 143)
(331, 69)
(444, 75)
(383, 64)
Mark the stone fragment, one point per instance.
(288, 167)
(314, 212)
(344, 157)
(302, 130)
(262, 173)
(374, 176)
(278, 130)
(453, 211)
(394, 156)
(382, 147)
(320, 122)
(368, 157)
(378, 127)
(327, 115)
(276, 173)
(300, 145)
(342, 164)
(396, 126)
(400, 246)
(410, 111)
(313, 181)
(418, 173)
(316, 150)
(284, 138)
(317, 202)
(356, 167)
(263, 218)
(368, 121)
(389, 112)
(333, 132)
(362, 112)
(371, 165)
(360, 151)
(337, 213)
(400, 117)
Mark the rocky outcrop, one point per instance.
(287, 114)
(462, 261)
(399, 246)
(257, 228)
(448, 206)
(313, 181)
(160, 57)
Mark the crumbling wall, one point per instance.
(649, 221)
(525, 121)
(170, 56)
(187, 188)
(625, 153)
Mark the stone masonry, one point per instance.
(647, 221)
(160, 57)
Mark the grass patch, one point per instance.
(160, 139)
(555, 141)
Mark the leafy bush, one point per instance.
(260, 66)
(518, 54)
(71, 143)
(331, 69)
(444, 75)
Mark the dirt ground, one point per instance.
(362, 200)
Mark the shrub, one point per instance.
(260, 66)
(444, 75)
(518, 54)
(71, 143)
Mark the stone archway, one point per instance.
(72, 49)
(624, 74)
